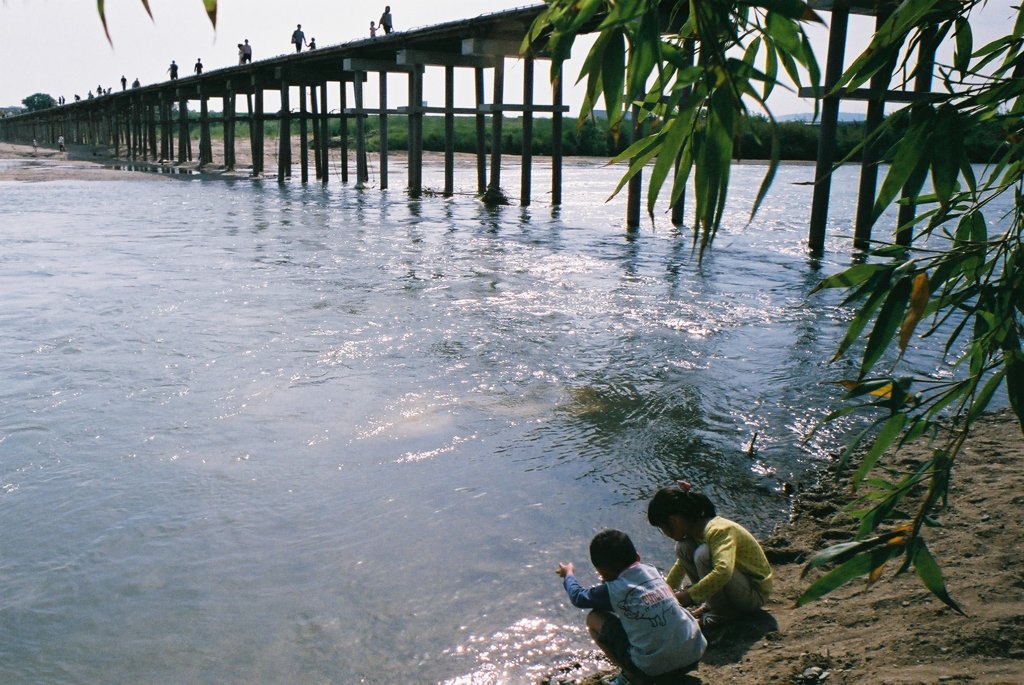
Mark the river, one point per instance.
(260, 434)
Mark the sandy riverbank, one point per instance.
(895, 631)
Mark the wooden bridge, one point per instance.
(142, 124)
(151, 123)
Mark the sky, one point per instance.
(58, 46)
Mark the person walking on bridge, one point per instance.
(173, 70)
(385, 20)
(199, 66)
(298, 38)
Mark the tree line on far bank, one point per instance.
(798, 141)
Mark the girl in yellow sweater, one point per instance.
(728, 572)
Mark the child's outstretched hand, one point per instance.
(564, 570)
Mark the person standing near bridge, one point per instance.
(385, 20)
(298, 38)
(199, 66)
(173, 70)
(124, 83)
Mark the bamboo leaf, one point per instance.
(918, 302)
(211, 11)
(103, 20)
(886, 436)
(931, 575)
(1014, 361)
(964, 45)
(887, 323)
(858, 566)
(613, 74)
(855, 275)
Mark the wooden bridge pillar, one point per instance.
(343, 124)
(184, 142)
(362, 175)
(635, 189)
(205, 143)
(228, 127)
(303, 137)
(151, 116)
(284, 150)
(382, 123)
(165, 127)
(449, 131)
(871, 153)
(314, 111)
(481, 133)
(494, 194)
(829, 125)
(527, 153)
(556, 140)
(416, 131)
(325, 137)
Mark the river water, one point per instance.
(259, 434)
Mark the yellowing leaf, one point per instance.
(918, 303)
(876, 573)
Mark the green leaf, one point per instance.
(211, 10)
(613, 73)
(888, 322)
(886, 436)
(931, 575)
(1014, 361)
(860, 565)
(964, 45)
(855, 275)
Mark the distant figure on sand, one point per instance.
(373, 29)
(728, 572)
(298, 38)
(636, 620)
(173, 70)
(124, 83)
(60, 142)
(34, 145)
(199, 66)
(385, 20)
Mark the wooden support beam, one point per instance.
(449, 131)
(923, 74)
(324, 134)
(556, 141)
(492, 47)
(303, 137)
(481, 132)
(527, 152)
(344, 134)
(871, 153)
(416, 132)
(444, 59)
(184, 143)
(257, 134)
(359, 65)
(827, 134)
(362, 174)
(635, 188)
(205, 144)
(382, 123)
(284, 147)
(494, 194)
(314, 109)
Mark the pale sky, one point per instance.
(58, 46)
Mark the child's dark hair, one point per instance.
(612, 550)
(692, 506)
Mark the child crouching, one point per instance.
(637, 621)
